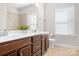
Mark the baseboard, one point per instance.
(66, 45)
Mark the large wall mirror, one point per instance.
(21, 14)
(13, 15)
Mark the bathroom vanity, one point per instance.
(25, 45)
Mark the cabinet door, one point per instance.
(43, 45)
(46, 42)
(26, 51)
(36, 38)
(13, 45)
(14, 53)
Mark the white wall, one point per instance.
(77, 22)
(3, 16)
(41, 19)
(49, 13)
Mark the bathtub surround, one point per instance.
(71, 40)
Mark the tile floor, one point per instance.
(61, 51)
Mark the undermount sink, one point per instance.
(16, 34)
(11, 36)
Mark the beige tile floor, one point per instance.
(60, 51)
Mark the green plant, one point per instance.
(23, 27)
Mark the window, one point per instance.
(64, 21)
(32, 21)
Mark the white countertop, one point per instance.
(18, 36)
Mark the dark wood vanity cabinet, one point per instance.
(30, 46)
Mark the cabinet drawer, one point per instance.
(45, 36)
(38, 53)
(11, 46)
(36, 38)
(36, 46)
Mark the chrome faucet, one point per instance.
(3, 33)
(0, 32)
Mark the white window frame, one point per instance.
(66, 22)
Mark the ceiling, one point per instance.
(64, 5)
(19, 5)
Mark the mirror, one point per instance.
(21, 14)
(13, 15)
